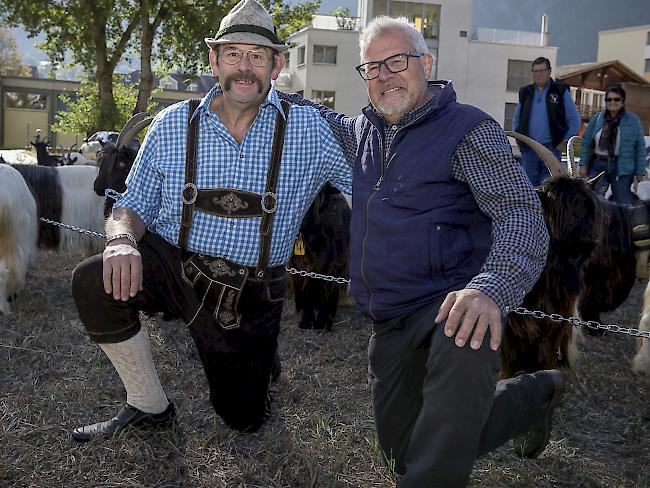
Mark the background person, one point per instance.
(613, 142)
(546, 113)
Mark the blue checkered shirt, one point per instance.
(311, 157)
(483, 159)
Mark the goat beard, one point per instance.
(227, 83)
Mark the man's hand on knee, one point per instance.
(469, 313)
(122, 271)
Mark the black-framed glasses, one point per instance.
(256, 57)
(394, 64)
(613, 99)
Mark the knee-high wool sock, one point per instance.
(133, 361)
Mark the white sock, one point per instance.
(133, 361)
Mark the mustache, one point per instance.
(227, 84)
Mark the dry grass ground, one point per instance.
(321, 433)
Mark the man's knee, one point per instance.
(106, 320)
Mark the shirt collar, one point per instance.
(271, 99)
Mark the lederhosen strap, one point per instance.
(229, 202)
(189, 192)
(270, 207)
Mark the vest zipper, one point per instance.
(375, 189)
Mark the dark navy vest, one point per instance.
(416, 232)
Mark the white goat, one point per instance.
(82, 208)
(18, 233)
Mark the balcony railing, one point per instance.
(338, 22)
(504, 36)
(587, 111)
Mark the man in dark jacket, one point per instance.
(546, 113)
(447, 234)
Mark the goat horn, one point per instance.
(130, 123)
(591, 183)
(125, 139)
(570, 153)
(549, 159)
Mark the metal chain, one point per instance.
(538, 314)
(575, 321)
(72, 227)
(308, 274)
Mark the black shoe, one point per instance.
(128, 416)
(532, 443)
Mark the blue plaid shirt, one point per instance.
(311, 157)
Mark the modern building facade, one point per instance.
(630, 45)
(31, 104)
(487, 66)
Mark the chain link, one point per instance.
(72, 227)
(538, 314)
(575, 321)
(323, 277)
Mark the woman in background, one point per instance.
(614, 140)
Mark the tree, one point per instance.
(82, 115)
(9, 57)
(100, 34)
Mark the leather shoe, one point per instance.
(128, 416)
(532, 443)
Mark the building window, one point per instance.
(324, 54)
(518, 74)
(647, 65)
(510, 113)
(424, 16)
(26, 101)
(287, 59)
(379, 7)
(647, 42)
(323, 97)
(193, 87)
(301, 56)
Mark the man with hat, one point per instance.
(212, 208)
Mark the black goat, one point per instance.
(325, 235)
(573, 215)
(43, 157)
(115, 161)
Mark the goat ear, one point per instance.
(592, 182)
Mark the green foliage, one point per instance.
(82, 114)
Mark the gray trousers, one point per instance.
(437, 406)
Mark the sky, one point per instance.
(573, 24)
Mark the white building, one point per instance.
(487, 66)
(630, 45)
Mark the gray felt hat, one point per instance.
(247, 23)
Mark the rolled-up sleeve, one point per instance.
(502, 191)
(144, 183)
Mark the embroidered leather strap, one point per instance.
(269, 198)
(189, 192)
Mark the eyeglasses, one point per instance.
(613, 99)
(394, 64)
(257, 58)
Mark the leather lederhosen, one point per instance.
(218, 281)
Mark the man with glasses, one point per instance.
(546, 113)
(447, 234)
(212, 209)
